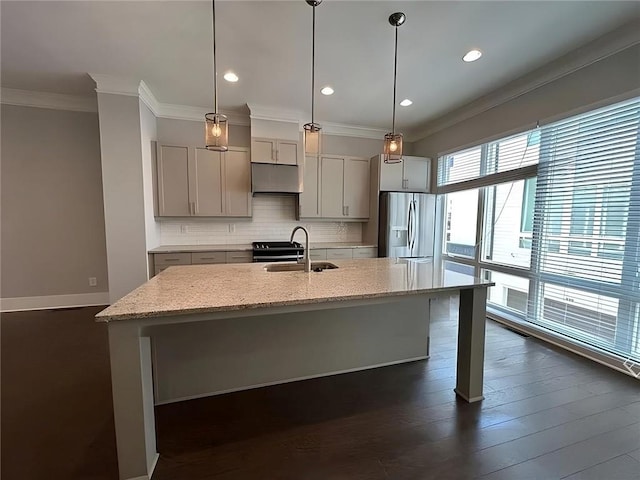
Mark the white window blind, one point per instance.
(586, 230)
(504, 155)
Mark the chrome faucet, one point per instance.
(307, 258)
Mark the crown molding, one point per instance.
(54, 101)
(116, 85)
(261, 112)
(609, 44)
(340, 129)
(185, 112)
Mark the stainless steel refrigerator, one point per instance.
(406, 226)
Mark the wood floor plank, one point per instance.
(622, 467)
(576, 457)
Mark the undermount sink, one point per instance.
(299, 267)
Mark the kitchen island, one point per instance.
(364, 314)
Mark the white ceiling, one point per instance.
(50, 46)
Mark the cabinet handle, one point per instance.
(347, 207)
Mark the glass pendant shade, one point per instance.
(312, 138)
(392, 148)
(216, 132)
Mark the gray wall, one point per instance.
(358, 147)
(53, 236)
(190, 132)
(611, 78)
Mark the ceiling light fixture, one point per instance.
(393, 141)
(327, 90)
(312, 130)
(231, 77)
(216, 125)
(472, 55)
(406, 102)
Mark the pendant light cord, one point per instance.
(215, 76)
(395, 72)
(313, 63)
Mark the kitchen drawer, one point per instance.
(365, 252)
(168, 259)
(339, 253)
(318, 254)
(239, 257)
(160, 269)
(208, 257)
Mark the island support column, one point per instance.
(132, 385)
(472, 318)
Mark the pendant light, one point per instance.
(393, 141)
(312, 130)
(216, 125)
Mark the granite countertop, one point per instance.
(189, 289)
(248, 247)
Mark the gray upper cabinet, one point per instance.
(206, 193)
(173, 181)
(332, 187)
(272, 150)
(410, 175)
(335, 187)
(194, 181)
(237, 183)
(309, 206)
(356, 187)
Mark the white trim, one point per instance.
(17, 304)
(54, 101)
(359, 131)
(148, 98)
(260, 112)
(115, 85)
(289, 380)
(150, 474)
(599, 49)
(468, 399)
(185, 112)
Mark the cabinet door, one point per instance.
(309, 206)
(356, 188)
(287, 152)
(207, 195)
(331, 187)
(416, 174)
(173, 181)
(390, 176)
(263, 150)
(237, 183)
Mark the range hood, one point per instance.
(275, 178)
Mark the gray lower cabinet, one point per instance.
(343, 253)
(195, 182)
(162, 261)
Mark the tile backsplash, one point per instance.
(273, 220)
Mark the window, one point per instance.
(559, 230)
(461, 218)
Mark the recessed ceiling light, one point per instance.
(327, 91)
(231, 77)
(472, 55)
(406, 102)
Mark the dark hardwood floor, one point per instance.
(547, 414)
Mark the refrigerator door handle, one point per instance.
(413, 225)
(409, 226)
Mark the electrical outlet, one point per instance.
(184, 229)
(232, 228)
(93, 281)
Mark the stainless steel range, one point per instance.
(277, 251)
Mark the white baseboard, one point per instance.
(17, 304)
(289, 380)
